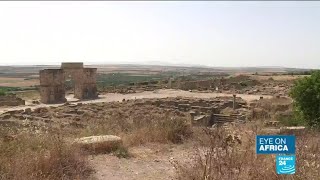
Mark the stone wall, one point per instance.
(52, 88)
(203, 112)
(87, 87)
(191, 85)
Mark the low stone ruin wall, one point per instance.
(11, 101)
(203, 112)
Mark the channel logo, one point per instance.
(285, 164)
(283, 146)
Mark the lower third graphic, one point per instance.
(286, 164)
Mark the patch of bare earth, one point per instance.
(150, 162)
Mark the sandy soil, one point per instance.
(149, 162)
(162, 93)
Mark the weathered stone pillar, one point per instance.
(89, 83)
(234, 101)
(52, 88)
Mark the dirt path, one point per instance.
(149, 162)
(161, 93)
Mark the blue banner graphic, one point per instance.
(275, 144)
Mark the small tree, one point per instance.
(306, 96)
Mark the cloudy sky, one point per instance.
(203, 33)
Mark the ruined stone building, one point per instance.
(52, 83)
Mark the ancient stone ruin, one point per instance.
(205, 112)
(52, 82)
(11, 100)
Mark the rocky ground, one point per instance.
(121, 115)
(73, 116)
(160, 93)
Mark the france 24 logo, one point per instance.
(286, 164)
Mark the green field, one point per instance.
(117, 79)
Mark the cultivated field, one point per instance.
(18, 82)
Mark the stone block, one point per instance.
(99, 144)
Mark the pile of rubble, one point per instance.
(205, 112)
(75, 116)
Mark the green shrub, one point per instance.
(293, 120)
(2, 92)
(306, 95)
(122, 152)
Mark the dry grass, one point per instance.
(36, 157)
(163, 129)
(217, 158)
(278, 77)
(139, 127)
(18, 82)
(47, 156)
(275, 104)
(273, 108)
(29, 95)
(30, 156)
